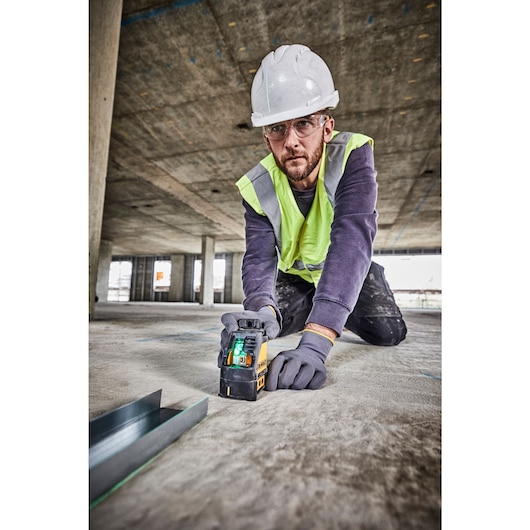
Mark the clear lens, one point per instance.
(302, 127)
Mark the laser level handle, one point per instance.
(250, 323)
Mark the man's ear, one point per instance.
(267, 143)
(328, 129)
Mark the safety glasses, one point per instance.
(302, 127)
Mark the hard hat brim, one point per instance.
(259, 120)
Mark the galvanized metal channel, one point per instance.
(127, 437)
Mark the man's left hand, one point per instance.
(302, 367)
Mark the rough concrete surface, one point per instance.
(363, 452)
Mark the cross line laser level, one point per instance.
(244, 361)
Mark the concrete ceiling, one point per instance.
(181, 131)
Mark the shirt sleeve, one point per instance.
(260, 262)
(352, 234)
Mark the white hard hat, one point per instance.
(291, 82)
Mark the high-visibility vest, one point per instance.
(303, 241)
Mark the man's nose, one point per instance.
(291, 138)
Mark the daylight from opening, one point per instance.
(416, 280)
(119, 286)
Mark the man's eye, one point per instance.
(303, 124)
(275, 129)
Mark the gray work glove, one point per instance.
(302, 367)
(230, 321)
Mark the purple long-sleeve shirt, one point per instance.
(349, 255)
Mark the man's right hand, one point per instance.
(265, 315)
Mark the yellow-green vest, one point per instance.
(302, 242)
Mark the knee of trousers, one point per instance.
(380, 331)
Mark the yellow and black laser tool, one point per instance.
(244, 362)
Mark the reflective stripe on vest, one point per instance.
(300, 266)
(267, 203)
(266, 189)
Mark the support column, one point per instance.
(105, 259)
(237, 284)
(104, 38)
(176, 285)
(142, 289)
(189, 271)
(227, 289)
(207, 257)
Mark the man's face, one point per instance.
(299, 157)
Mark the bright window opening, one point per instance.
(415, 279)
(119, 288)
(218, 275)
(162, 276)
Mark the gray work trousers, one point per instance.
(376, 318)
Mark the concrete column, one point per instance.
(104, 38)
(176, 285)
(207, 257)
(237, 284)
(227, 288)
(143, 270)
(105, 259)
(189, 271)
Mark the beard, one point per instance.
(299, 172)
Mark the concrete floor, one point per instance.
(363, 452)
